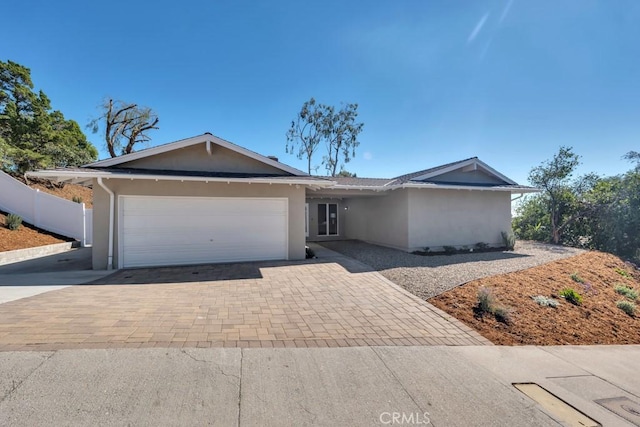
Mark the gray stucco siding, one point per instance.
(381, 220)
(196, 158)
(472, 177)
(457, 217)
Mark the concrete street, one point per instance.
(355, 386)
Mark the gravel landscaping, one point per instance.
(428, 276)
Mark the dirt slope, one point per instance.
(25, 237)
(597, 321)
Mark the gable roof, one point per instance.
(426, 179)
(206, 138)
(472, 162)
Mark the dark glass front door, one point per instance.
(327, 219)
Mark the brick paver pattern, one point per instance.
(288, 305)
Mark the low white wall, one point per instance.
(46, 211)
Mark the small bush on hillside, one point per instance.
(13, 221)
(509, 240)
(588, 288)
(627, 306)
(485, 301)
(571, 295)
(623, 273)
(502, 314)
(626, 291)
(576, 278)
(543, 301)
(77, 199)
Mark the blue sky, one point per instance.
(437, 81)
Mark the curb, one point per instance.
(9, 257)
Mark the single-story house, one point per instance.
(206, 200)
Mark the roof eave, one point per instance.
(517, 190)
(82, 176)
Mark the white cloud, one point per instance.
(367, 155)
(478, 27)
(505, 11)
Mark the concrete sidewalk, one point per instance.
(360, 386)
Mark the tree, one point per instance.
(553, 178)
(346, 174)
(33, 136)
(615, 227)
(592, 212)
(633, 156)
(125, 125)
(316, 123)
(340, 131)
(305, 132)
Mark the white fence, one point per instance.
(45, 211)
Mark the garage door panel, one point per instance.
(187, 230)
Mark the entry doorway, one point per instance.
(327, 219)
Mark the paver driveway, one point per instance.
(322, 303)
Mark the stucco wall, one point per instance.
(382, 220)
(196, 158)
(295, 195)
(471, 177)
(313, 220)
(457, 217)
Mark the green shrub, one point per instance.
(545, 301)
(485, 301)
(449, 250)
(77, 199)
(502, 314)
(577, 278)
(509, 240)
(626, 291)
(13, 221)
(571, 296)
(627, 306)
(623, 273)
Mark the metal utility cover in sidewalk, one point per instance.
(623, 407)
(559, 408)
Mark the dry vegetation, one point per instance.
(596, 321)
(65, 191)
(25, 237)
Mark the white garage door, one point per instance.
(196, 230)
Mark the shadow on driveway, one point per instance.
(217, 272)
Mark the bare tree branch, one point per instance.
(124, 121)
